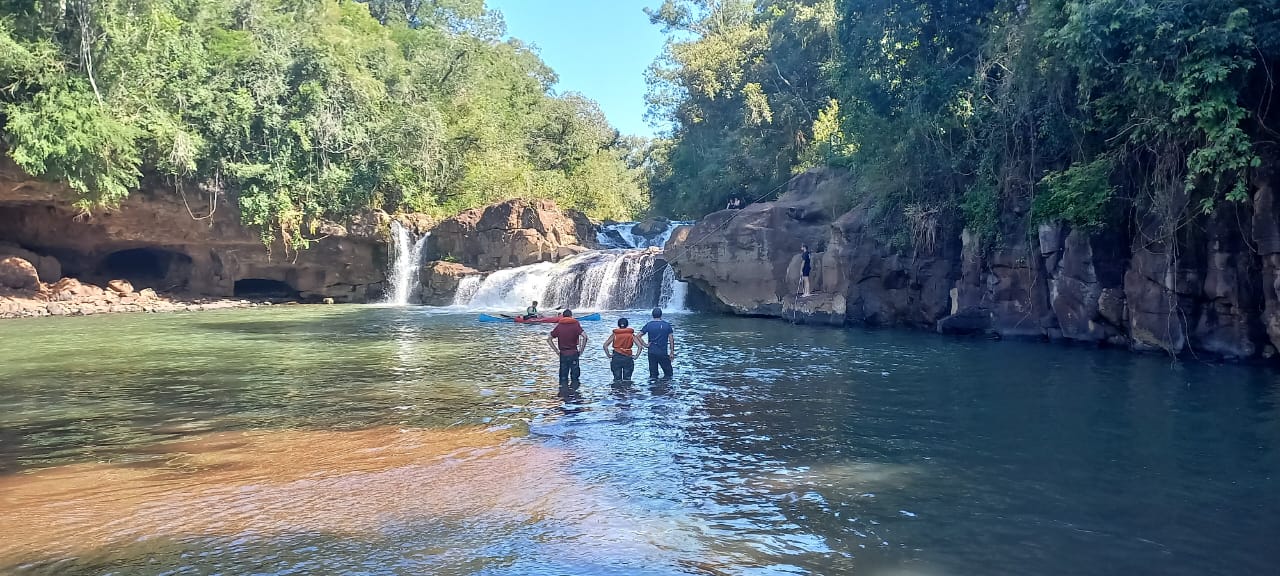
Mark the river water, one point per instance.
(304, 440)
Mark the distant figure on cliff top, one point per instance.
(568, 340)
(661, 344)
(532, 311)
(618, 349)
(806, 269)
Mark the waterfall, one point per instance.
(620, 235)
(406, 261)
(631, 274)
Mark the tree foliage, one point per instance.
(986, 109)
(302, 109)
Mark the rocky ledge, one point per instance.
(1213, 291)
(70, 297)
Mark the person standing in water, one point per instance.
(806, 269)
(618, 349)
(532, 311)
(661, 344)
(568, 340)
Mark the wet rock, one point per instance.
(972, 320)
(651, 227)
(821, 308)
(18, 274)
(440, 280)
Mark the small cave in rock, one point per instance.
(264, 288)
(146, 268)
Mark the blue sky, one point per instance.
(600, 48)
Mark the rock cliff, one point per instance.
(169, 242)
(1211, 288)
(511, 233)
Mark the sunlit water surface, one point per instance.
(304, 440)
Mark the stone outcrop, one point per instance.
(186, 244)
(748, 259)
(1210, 288)
(439, 281)
(512, 233)
(18, 274)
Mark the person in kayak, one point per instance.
(805, 269)
(661, 344)
(568, 340)
(618, 349)
(532, 311)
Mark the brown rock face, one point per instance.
(742, 257)
(512, 233)
(18, 274)
(156, 240)
(439, 281)
(1211, 288)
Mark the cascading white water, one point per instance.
(402, 278)
(467, 289)
(621, 235)
(622, 278)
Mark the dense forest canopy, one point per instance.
(303, 109)
(1082, 111)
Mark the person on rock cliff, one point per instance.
(568, 340)
(805, 270)
(618, 349)
(661, 344)
(532, 311)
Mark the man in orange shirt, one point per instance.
(568, 340)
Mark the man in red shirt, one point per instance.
(568, 340)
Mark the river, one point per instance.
(391, 440)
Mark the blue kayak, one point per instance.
(543, 320)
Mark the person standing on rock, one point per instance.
(661, 344)
(568, 340)
(805, 269)
(618, 349)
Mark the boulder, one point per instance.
(147, 294)
(651, 227)
(18, 274)
(121, 287)
(48, 267)
(512, 233)
(440, 280)
(68, 289)
(741, 257)
(819, 308)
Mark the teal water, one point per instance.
(305, 440)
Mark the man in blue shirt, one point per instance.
(661, 344)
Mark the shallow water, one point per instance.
(299, 440)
